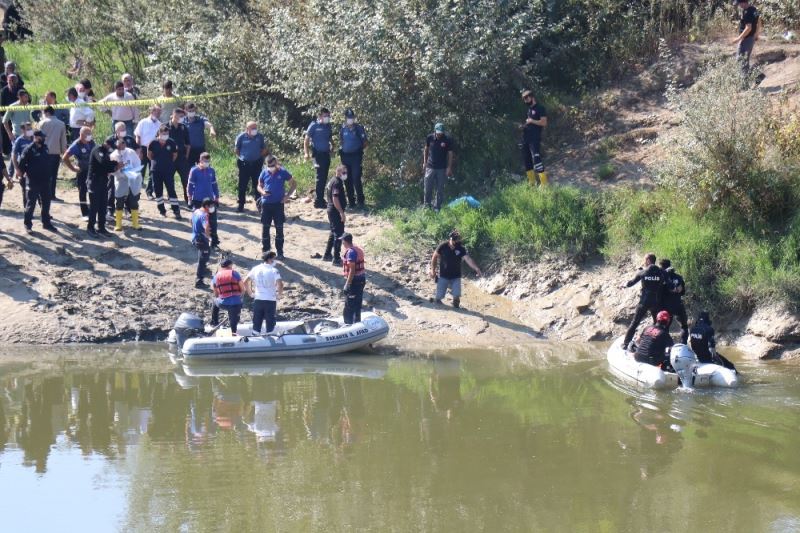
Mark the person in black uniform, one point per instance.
(653, 280)
(704, 344)
(672, 299)
(337, 202)
(36, 168)
(162, 153)
(179, 132)
(100, 166)
(532, 128)
(749, 31)
(8, 183)
(655, 341)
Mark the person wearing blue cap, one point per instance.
(318, 139)
(437, 164)
(353, 142)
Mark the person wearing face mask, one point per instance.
(162, 154)
(197, 125)
(55, 133)
(201, 186)
(81, 151)
(201, 234)
(8, 95)
(335, 198)
(318, 139)
(272, 186)
(532, 128)
(79, 116)
(251, 149)
(179, 133)
(437, 164)
(20, 143)
(145, 133)
(353, 142)
(100, 166)
(127, 184)
(35, 166)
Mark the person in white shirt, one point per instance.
(126, 114)
(79, 116)
(265, 285)
(146, 132)
(127, 184)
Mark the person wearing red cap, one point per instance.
(655, 342)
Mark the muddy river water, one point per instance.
(119, 439)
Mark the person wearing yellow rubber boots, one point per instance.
(535, 123)
(127, 184)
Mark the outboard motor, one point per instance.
(187, 326)
(684, 361)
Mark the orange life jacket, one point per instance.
(226, 284)
(358, 265)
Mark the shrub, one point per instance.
(606, 171)
(720, 156)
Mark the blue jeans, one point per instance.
(234, 311)
(442, 284)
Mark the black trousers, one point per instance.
(161, 180)
(248, 175)
(272, 214)
(352, 303)
(355, 189)
(212, 221)
(234, 312)
(130, 202)
(98, 205)
(182, 167)
(322, 162)
(679, 312)
(145, 171)
(532, 155)
(203, 253)
(55, 162)
(641, 311)
(337, 229)
(37, 192)
(83, 192)
(264, 310)
(194, 155)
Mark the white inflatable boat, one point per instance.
(689, 371)
(298, 338)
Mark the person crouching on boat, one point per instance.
(265, 285)
(655, 341)
(703, 343)
(228, 289)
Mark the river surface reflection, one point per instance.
(121, 440)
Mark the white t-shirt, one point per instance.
(265, 280)
(121, 113)
(147, 130)
(80, 113)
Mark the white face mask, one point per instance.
(202, 164)
(252, 132)
(191, 114)
(344, 177)
(88, 138)
(212, 209)
(163, 137)
(351, 121)
(81, 94)
(326, 120)
(28, 133)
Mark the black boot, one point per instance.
(328, 248)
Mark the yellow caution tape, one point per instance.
(142, 102)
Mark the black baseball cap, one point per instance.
(226, 262)
(349, 113)
(39, 133)
(346, 237)
(111, 140)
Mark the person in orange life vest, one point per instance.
(655, 341)
(228, 289)
(355, 278)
